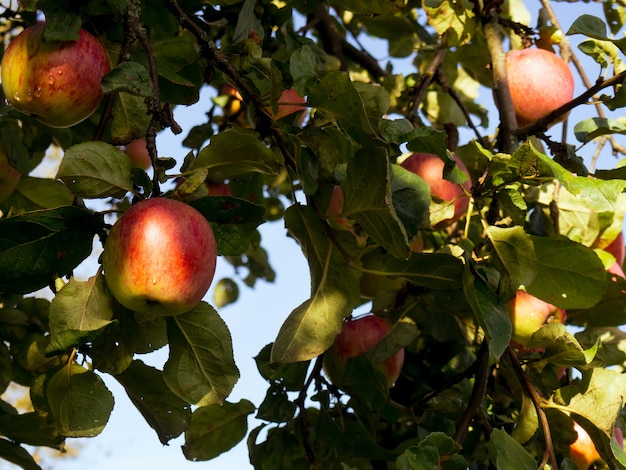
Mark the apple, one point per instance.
(159, 258)
(528, 314)
(539, 82)
(288, 103)
(138, 153)
(57, 82)
(430, 168)
(218, 188)
(583, 451)
(617, 249)
(358, 336)
(9, 176)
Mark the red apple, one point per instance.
(289, 103)
(358, 336)
(218, 188)
(9, 176)
(539, 82)
(430, 168)
(159, 258)
(138, 153)
(617, 249)
(528, 314)
(57, 82)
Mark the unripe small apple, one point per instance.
(430, 168)
(57, 82)
(159, 258)
(528, 314)
(358, 336)
(138, 153)
(539, 82)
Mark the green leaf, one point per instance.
(247, 22)
(30, 428)
(278, 406)
(373, 7)
(593, 27)
(129, 77)
(609, 311)
(96, 170)
(216, 429)
(432, 270)
(311, 328)
(569, 275)
(16, 454)
(454, 19)
(368, 200)
(79, 401)
(561, 347)
(163, 410)
(130, 118)
(506, 452)
(291, 376)
(588, 129)
(38, 193)
(200, 368)
(237, 152)
(36, 247)
(78, 313)
(492, 316)
(410, 198)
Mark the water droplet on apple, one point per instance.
(154, 280)
(37, 92)
(17, 96)
(50, 80)
(29, 95)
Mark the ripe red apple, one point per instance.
(528, 314)
(358, 336)
(218, 188)
(159, 257)
(288, 104)
(539, 82)
(57, 82)
(617, 249)
(9, 176)
(138, 153)
(430, 168)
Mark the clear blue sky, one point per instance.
(127, 441)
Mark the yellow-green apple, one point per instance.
(58, 81)
(583, 451)
(539, 82)
(289, 103)
(138, 153)
(159, 258)
(430, 168)
(358, 336)
(9, 176)
(528, 314)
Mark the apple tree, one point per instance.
(452, 190)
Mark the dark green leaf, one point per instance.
(129, 77)
(164, 411)
(36, 247)
(216, 429)
(14, 453)
(79, 401)
(506, 452)
(200, 368)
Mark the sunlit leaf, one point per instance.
(200, 368)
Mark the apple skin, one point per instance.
(57, 82)
(528, 314)
(539, 82)
(9, 176)
(290, 95)
(617, 249)
(159, 258)
(138, 153)
(358, 336)
(583, 451)
(430, 168)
